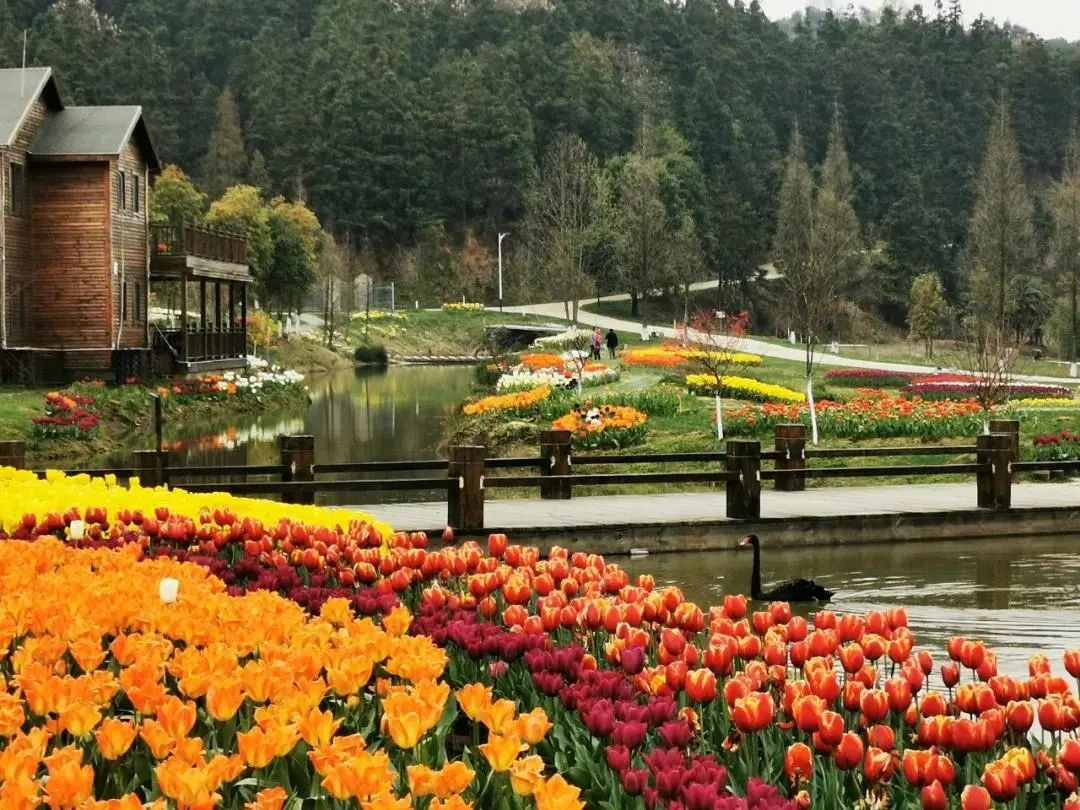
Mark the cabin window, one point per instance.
(18, 189)
(136, 195)
(121, 190)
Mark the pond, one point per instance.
(1018, 595)
(368, 415)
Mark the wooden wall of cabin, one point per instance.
(18, 253)
(130, 247)
(71, 260)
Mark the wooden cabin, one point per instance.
(76, 262)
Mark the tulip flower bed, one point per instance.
(555, 370)
(869, 377)
(603, 426)
(959, 387)
(67, 414)
(516, 402)
(679, 356)
(871, 415)
(742, 388)
(553, 683)
(1063, 445)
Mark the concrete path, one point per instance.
(612, 511)
(556, 310)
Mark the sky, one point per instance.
(1049, 19)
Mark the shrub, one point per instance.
(371, 355)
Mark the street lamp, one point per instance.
(501, 237)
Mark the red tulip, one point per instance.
(874, 704)
(831, 727)
(1020, 716)
(878, 765)
(1070, 754)
(950, 674)
(851, 658)
(934, 797)
(806, 712)
(849, 751)
(882, 737)
(735, 606)
(701, 686)
(1001, 781)
(975, 797)
(898, 693)
(799, 763)
(1072, 662)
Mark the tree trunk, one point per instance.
(634, 309)
(1073, 313)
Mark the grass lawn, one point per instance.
(660, 310)
(17, 407)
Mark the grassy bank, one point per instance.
(691, 429)
(434, 332)
(125, 419)
(308, 354)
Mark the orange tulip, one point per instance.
(526, 774)
(501, 750)
(114, 737)
(255, 747)
(268, 799)
(70, 782)
(223, 698)
(316, 728)
(176, 717)
(753, 712)
(533, 726)
(557, 794)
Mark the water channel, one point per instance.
(1021, 595)
(367, 415)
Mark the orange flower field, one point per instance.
(201, 651)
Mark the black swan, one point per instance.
(794, 590)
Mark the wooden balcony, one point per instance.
(187, 252)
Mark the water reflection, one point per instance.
(367, 415)
(1019, 595)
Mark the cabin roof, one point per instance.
(18, 90)
(91, 132)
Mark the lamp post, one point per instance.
(501, 237)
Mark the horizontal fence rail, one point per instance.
(465, 475)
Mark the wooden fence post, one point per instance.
(465, 493)
(151, 467)
(994, 486)
(791, 440)
(13, 454)
(298, 457)
(555, 460)
(1012, 428)
(744, 493)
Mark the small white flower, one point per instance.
(169, 590)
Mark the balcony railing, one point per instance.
(197, 240)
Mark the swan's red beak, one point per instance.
(744, 542)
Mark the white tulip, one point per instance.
(77, 530)
(169, 590)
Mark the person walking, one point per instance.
(612, 343)
(596, 343)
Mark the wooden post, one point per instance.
(994, 486)
(298, 458)
(1012, 428)
(13, 454)
(217, 319)
(150, 467)
(465, 493)
(744, 493)
(185, 354)
(159, 421)
(233, 331)
(202, 315)
(243, 318)
(791, 440)
(555, 460)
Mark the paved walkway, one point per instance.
(627, 510)
(797, 353)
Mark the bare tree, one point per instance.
(715, 341)
(564, 211)
(579, 344)
(988, 358)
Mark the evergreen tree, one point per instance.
(642, 238)
(1065, 243)
(929, 310)
(792, 251)
(225, 163)
(1002, 242)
